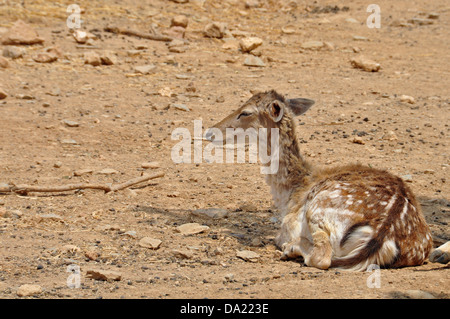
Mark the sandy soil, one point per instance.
(125, 119)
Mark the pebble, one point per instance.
(151, 243)
(215, 30)
(191, 228)
(151, 165)
(3, 94)
(69, 142)
(3, 62)
(131, 233)
(71, 123)
(181, 107)
(421, 21)
(312, 45)
(108, 58)
(365, 64)
(82, 36)
(407, 178)
(248, 255)
(214, 213)
(21, 33)
(29, 290)
(181, 253)
(145, 69)
(419, 294)
(179, 21)
(44, 57)
(407, 99)
(92, 255)
(254, 61)
(13, 52)
(104, 275)
(57, 165)
(81, 172)
(358, 140)
(250, 43)
(108, 171)
(51, 216)
(92, 58)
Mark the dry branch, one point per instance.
(24, 189)
(131, 32)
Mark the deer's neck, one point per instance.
(293, 171)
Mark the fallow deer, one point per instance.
(347, 217)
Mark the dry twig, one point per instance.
(24, 189)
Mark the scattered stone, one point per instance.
(249, 44)
(181, 107)
(419, 294)
(360, 38)
(214, 213)
(407, 178)
(3, 94)
(365, 64)
(3, 62)
(104, 275)
(248, 207)
(191, 228)
(83, 36)
(179, 21)
(70, 249)
(145, 69)
(288, 29)
(92, 255)
(150, 243)
(407, 99)
(130, 233)
(108, 58)
(21, 33)
(69, 142)
(184, 254)
(92, 58)
(429, 171)
(151, 165)
(229, 277)
(175, 32)
(312, 45)
(254, 61)
(108, 171)
(71, 123)
(358, 140)
(57, 164)
(44, 58)
(177, 46)
(390, 136)
(13, 52)
(180, 1)
(215, 30)
(25, 97)
(82, 172)
(248, 255)
(29, 290)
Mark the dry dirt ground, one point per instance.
(125, 119)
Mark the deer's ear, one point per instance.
(276, 110)
(300, 105)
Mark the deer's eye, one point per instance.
(245, 113)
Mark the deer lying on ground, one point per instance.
(347, 217)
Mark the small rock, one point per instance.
(3, 62)
(358, 140)
(150, 243)
(57, 164)
(365, 64)
(421, 21)
(191, 228)
(51, 216)
(407, 99)
(71, 123)
(312, 45)
(21, 33)
(390, 136)
(179, 21)
(108, 58)
(429, 171)
(81, 172)
(131, 233)
(69, 142)
(70, 249)
(145, 69)
(108, 171)
(419, 294)
(214, 213)
(44, 57)
(92, 255)
(29, 290)
(248, 255)
(92, 58)
(104, 275)
(248, 207)
(3, 94)
(83, 36)
(229, 277)
(288, 29)
(175, 32)
(151, 165)
(215, 30)
(360, 38)
(181, 107)
(13, 52)
(407, 178)
(254, 61)
(250, 43)
(184, 254)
